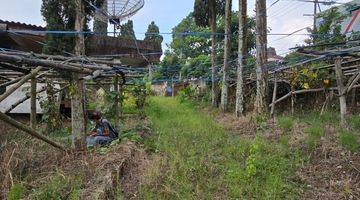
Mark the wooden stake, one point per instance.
(342, 97)
(292, 99)
(116, 103)
(274, 97)
(32, 103)
(30, 131)
(20, 83)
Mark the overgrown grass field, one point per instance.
(200, 160)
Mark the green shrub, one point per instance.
(349, 140)
(15, 192)
(314, 134)
(286, 123)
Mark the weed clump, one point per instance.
(349, 140)
(16, 192)
(286, 123)
(315, 132)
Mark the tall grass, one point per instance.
(200, 160)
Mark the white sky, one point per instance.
(284, 17)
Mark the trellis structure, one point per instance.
(346, 63)
(23, 67)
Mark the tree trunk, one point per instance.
(227, 49)
(77, 96)
(242, 51)
(33, 103)
(214, 101)
(342, 97)
(261, 57)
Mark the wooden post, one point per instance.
(116, 103)
(261, 57)
(33, 103)
(28, 130)
(274, 97)
(341, 92)
(19, 84)
(292, 99)
(78, 122)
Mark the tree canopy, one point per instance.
(127, 30)
(59, 15)
(190, 53)
(152, 33)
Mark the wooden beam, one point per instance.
(30, 131)
(14, 68)
(20, 83)
(45, 63)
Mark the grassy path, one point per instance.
(201, 161)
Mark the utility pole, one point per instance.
(78, 121)
(316, 4)
(261, 57)
(242, 51)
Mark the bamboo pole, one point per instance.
(20, 83)
(342, 97)
(32, 103)
(30, 131)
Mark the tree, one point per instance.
(59, 15)
(242, 51)
(152, 34)
(227, 49)
(261, 57)
(205, 12)
(127, 30)
(100, 21)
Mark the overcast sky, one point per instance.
(286, 16)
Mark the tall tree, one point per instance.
(242, 51)
(153, 34)
(261, 57)
(127, 30)
(205, 12)
(227, 49)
